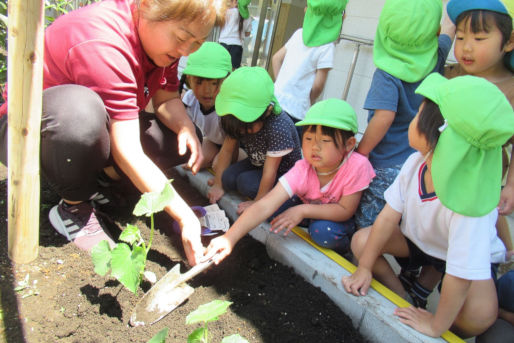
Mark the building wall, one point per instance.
(361, 21)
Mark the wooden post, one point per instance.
(25, 82)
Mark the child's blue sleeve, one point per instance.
(383, 93)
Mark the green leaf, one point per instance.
(101, 256)
(128, 265)
(208, 312)
(196, 336)
(160, 337)
(236, 338)
(130, 235)
(154, 202)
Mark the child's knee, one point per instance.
(359, 240)
(332, 235)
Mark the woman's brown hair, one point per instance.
(163, 10)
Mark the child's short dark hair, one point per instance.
(481, 18)
(236, 128)
(339, 136)
(429, 121)
(184, 81)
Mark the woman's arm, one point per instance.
(171, 111)
(128, 154)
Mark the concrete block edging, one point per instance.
(372, 315)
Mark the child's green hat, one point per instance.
(246, 94)
(242, 5)
(334, 113)
(467, 160)
(322, 22)
(406, 38)
(456, 7)
(211, 61)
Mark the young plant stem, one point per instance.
(151, 233)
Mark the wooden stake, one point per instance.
(25, 82)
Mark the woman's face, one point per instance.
(166, 41)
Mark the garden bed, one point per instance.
(64, 300)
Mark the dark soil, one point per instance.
(65, 301)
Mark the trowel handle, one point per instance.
(200, 267)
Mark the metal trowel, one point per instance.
(168, 293)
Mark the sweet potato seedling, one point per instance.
(127, 260)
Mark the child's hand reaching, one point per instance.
(287, 220)
(358, 283)
(215, 193)
(243, 206)
(218, 249)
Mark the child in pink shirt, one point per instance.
(329, 181)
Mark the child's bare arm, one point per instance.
(224, 158)
(319, 83)
(453, 295)
(251, 217)
(338, 212)
(269, 174)
(386, 223)
(506, 205)
(376, 130)
(277, 60)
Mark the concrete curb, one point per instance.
(372, 315)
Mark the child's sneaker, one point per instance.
(79, 224)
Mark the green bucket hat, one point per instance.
(246, 94)
(334, 113)
(211, 61)
(467, 160)
(242, 5)
(322, 22)
(406, 38)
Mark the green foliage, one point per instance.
(53, 9)
(208, 313)
(127, 260)
(160, 337)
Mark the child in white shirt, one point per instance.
(204, 73)
(441, 209)
(301, 66)
(238, 25)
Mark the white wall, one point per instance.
(361, 21)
